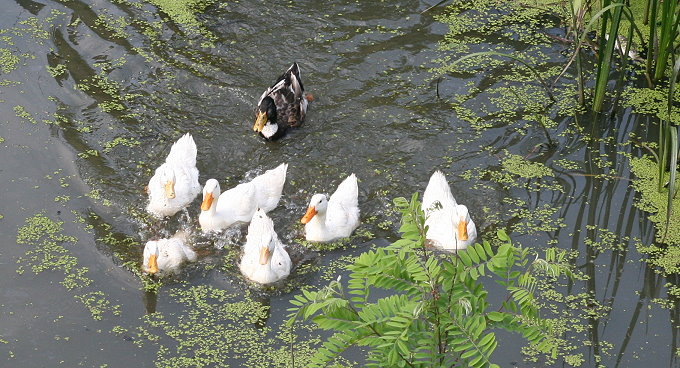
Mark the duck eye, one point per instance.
(320, 200)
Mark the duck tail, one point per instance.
(183, 152)
(293, 76)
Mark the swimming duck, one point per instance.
(449, 224)
(264, 258)
(165, 256)
(282, 105)
(220, 210)
(175, 183)
(327, 220)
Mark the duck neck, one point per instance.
(318, 222)
(213, 205)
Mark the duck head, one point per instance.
(261, 231)
(167, 179)
(317, 205)
(463, 221)
(211, 191)
(265, 118)
(150, 264)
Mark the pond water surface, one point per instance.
(94, 93)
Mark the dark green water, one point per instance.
(121, 99)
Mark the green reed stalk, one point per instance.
(668, 147)
(666, 37)
(668, 34)
(645, 19)
(663, 151)
(606, 53)
(652, 37)
(672, 137)
(577, 12)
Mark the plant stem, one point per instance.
(604, 63)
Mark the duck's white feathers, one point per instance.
(341, 216)
(241, 202)
(343, 206)
(443, 215)
(261, 234)
(170, 254)
(438, 190)
(183, 152)
(269, 187)
(180, 165)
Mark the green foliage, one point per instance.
(437, 314)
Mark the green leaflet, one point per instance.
(436, 313)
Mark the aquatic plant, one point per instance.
(48, 251)
(667, 258)
(437, 312)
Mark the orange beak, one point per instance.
(207, 202)
(311, 212)
(462, 230)
(260, 121)
(170, 189)
(153, 265)
(264, 255)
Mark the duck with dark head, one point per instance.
(281, 106)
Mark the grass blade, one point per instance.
(673, 137)
(673, 130)
(605, 60)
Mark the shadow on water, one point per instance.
(150, 301)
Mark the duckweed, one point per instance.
(655, 202)
(517, 172)
(219, 327)
(667, 258)
(47, 252)
(183, 12)
(21, 112)
(8, 60)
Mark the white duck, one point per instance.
(165, 256)
(327, 220)
(175, 183)
(264, 258)
(449, 224)
(219, 210)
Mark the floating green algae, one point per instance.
(48, 253)
(517, 172)
(8, 60)
(567, 317)
(605, 240)
(21, 112)
(655, 203)
(120, 141)
(183, 12)
(652, 102)
(511, 93)
(520, 166)
(532, 221)
(218, 328)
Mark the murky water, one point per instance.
(126, 82)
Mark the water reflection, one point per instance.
(150, 300)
